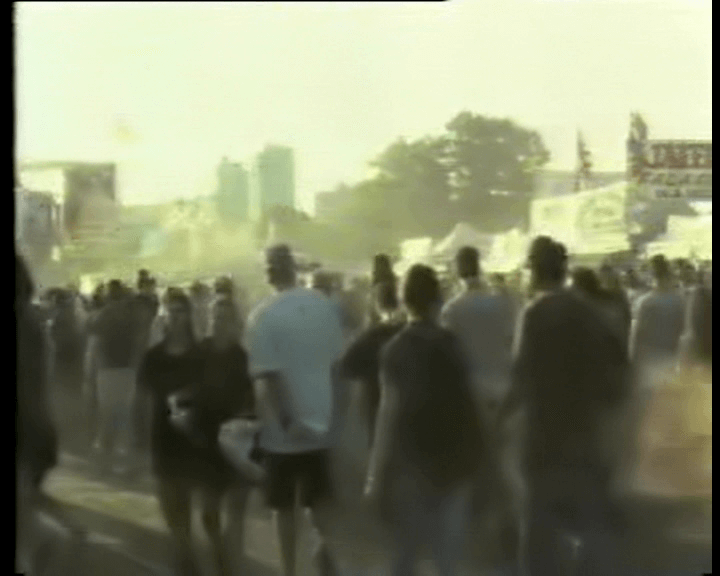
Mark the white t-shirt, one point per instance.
(297, 334)
(484, 324)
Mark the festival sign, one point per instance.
(601, 225)
(555, 217)
(591, 222)
(678, 169)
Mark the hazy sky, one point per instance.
(167, 89)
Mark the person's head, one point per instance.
(199, 291)
(382, 269)
(631, 280)
(115, 290)
(144, 281)
(386, 299)
(661, 270)
(225, 325)
(179, 315)
(421, 293)
(281, 267)
(688, 274)
(467, 262)
(499, 282)
(548, 263)
(323, 283)
(224, 286)
(98, 295)
(586, 281)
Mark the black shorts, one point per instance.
(308, 472)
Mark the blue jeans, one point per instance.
(425, 516)
(572, 525)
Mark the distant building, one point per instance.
(328, 206)
(275, 177)
(74, 186)
(233, 192)
(549, 183)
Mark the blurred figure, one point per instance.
(169, 367)
(36, 436)
(294, 346)
(483, 323)
(633, 286)
(658, 323)
(116, 348)
(200, 298)
(322, 282)
(616, 304)
(225, 287)
(587, 283)
(362, 359)
(147, 308)
(225, 391)
(382, 272)
(67, 338)
(428, 435)
(570, 375)
(696, 376)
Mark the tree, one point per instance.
(489, 154)
(424, 187)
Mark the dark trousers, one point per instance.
(572, 525)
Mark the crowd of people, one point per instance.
(490, 391)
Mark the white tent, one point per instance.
(463, 235)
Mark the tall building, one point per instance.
(75, 186)
(276, 177)
(233, 192)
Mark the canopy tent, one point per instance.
(414, 251)
(686, 237)
(462, 235)
(508, 252)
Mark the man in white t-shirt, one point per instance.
(294, 343)
(484, 323)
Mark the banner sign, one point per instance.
(588, 222)
(677, 168)
(555, 217)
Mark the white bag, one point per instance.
(237, 441)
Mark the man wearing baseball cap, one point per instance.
(294, 343)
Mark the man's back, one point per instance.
(297, 334)
(117, 335)
(569, 368)
(483, 322)
(438, 430)
(659, 319)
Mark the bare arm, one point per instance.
(384, 430)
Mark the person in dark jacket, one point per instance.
(225, 391)
(172, 366)
(382, 273)
(570, 375)
(117, 346)
(428, 443)
(37, 441)
(362, 359)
